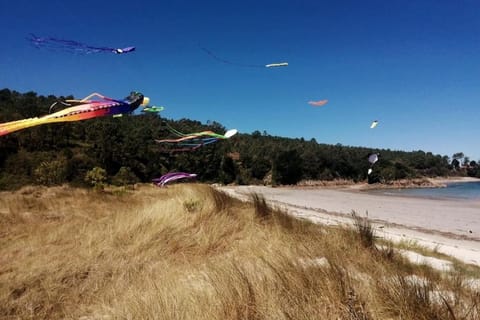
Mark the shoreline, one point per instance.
(418, 183)
(448, 226)
(456, 179)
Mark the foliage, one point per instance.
(227, 170)
(124, 177)
(192, 205)
(287, 167)
(129, 143)
(51, 172)
(97, 177)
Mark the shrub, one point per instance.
(52, 172)
(96, 177)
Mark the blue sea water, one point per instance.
(454, 190)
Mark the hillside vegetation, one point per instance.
(191, 252)
(125, 149)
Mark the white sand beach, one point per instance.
(448, 226)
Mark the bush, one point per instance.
(96, 177)
(52, 172)
(124, 177)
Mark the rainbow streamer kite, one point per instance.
(80, 110)
(193, 141)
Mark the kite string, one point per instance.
(210, 53)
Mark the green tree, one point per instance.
(125, 177)
(53, 172)
(227, 170)
(287, 167)
(458, 156)
(260, 167)
(456, 164)
(97, 177)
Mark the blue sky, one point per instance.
(412, 65)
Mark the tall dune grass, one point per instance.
(191, 252)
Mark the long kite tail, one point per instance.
(193, 135)
(175, 132)
(13, 126)
(73, 46)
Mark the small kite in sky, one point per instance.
(166, 178)
(270, 65)
(192, 141)
(274, 65)
(73, 46)
(318, 103)
(153, 109)
(80, 110)
(374, 124)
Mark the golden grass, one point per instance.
(191, 252)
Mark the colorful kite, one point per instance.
(374, 124)
(270, 65)
(318, 103)
(153, 109)
(192, 141)
(160, 182)
(80, 110)
(73, 46)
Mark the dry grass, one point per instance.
(191, 252)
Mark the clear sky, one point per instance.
(413, 65)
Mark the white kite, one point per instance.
(374, 124)
(280, 64)
(372, 158)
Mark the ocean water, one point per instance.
(454, 190)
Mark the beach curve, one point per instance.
(448, 226)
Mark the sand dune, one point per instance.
(448, 226)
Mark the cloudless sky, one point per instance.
(413, 65)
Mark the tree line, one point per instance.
(123, 151)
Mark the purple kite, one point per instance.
(172, 176)
(73, 46)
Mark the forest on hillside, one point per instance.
(123, 150)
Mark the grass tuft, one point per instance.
(262, 210)
(365, 230)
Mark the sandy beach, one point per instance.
(448, 226)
